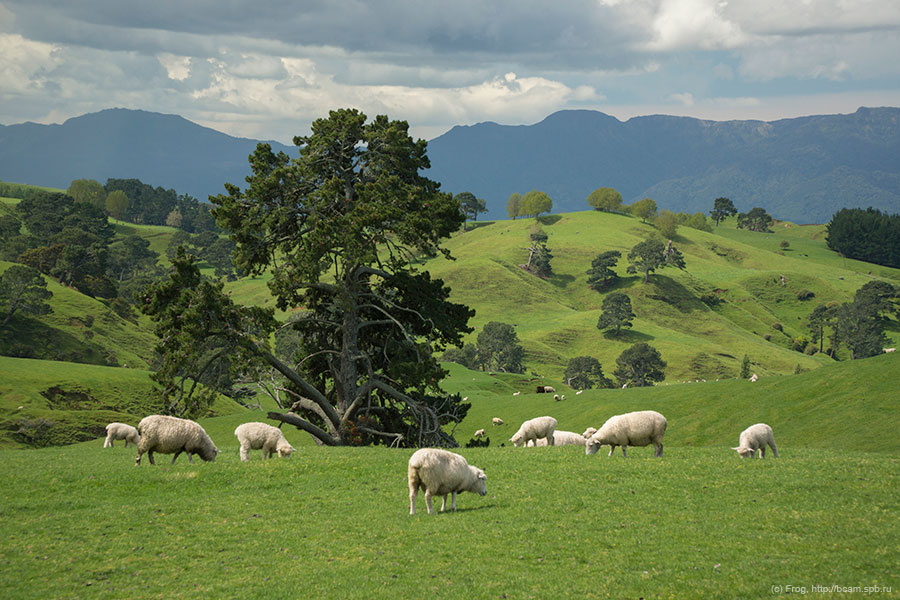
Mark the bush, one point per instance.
(778, 327)
(805, 294)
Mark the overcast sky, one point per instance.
(266, 69)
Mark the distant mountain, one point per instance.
(802, 169)
(161, 150)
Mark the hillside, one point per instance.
(801, 170)
(161, 150)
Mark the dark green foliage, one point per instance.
(539, 257)
(584, 373)
(643, 209)
(342, 222)
(616, 313)
(868, 235)
(129, 256)
(470, 206)
(805, 295)
(652, 254)
(514, 205)
(466, 356)
(601, 274)
(881, 297)
(639, 366)
(757, 219)
(23, 290)
(860, 329)
(745, 367)
(88, 190)
(722, 208)
(499, 348)
(534, 203)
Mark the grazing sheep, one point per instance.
(497, 421)
(168, 435)
(440, 473)
(754, 377)
(579, 392)
(256, 436)
(560, 438)
(121, 431)
(516, 393)
(639, 428)
(545, 389)
(889, 349)
(479, 434)
(556, 397)
(539, 427)
(563, 398)
(589, 432)
(755, 438)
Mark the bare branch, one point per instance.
(317, 432)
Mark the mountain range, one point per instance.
(801, 169)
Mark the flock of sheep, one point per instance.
(171, 435)
(437, 472)
(441, 472)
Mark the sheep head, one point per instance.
(744, 451)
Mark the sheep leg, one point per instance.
(444, 503)
(176, 456)
(612, 449)
(624, 454)
(774, 449)
(762, 450)
(428, 501)
(549, 440)
(150, 456)
(452, 502)
(245, 453)
(658, 453)
(137, 460)
(413, 492)
(108, 443)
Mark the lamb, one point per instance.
(639, 428)
(755, 438)
(754, 377)
(497, 421)
(168, 435)
(579, 392)
(589, 432)
(539, 427)
(121, 431)
(256, 436)
(440, 473)
(561, 438)
(479, 434)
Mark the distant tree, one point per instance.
(882, 297)
(129, 256)
(745, 367)
(584, 373)
(616, 313)
(816, 322)
(652, 254)
(667, 223)
(9, 227)
(868, 235)
(860, 329)
(499, 348)
(88, 190)
(722, 208)
(535, 203)
(537, 233)
(643, 209)
(43, 213)
(117, 204)
(639, 366)
(23, 289)
(755, 220)
(470, 206)
(601, 274)
(698, 221)
(466, 356)
(218, 255)
(605, 199)
(514, 206)
(174, 218)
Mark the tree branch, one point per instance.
(317, 432)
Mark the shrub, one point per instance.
(778, 327)
(805, 294)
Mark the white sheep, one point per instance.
(167, 435)
(497, 421)
(754, 377)
(440, 473)
(639, 428)
(516, 393)
(589, 432)
(121, 431)
(579, 392)
(754, 438)
(556, 397)
(533, 429)
(256, 436)
(560, 438)
(479, 434)
(562, 398)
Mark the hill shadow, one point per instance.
(473, 225)
(561, 281)
(628, 336)
(549, 219)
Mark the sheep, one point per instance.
(579, 392)
(545, 389)
(479, 434)
(755, 438)
(256, 436)
(517, 393)
(497, 421)
(560, 438)
(441, 473)
(556, 397)
(563, 398)
(754, 377)
(889, 349)
(539, 427)
(589, 432)
(639, 428)
(168, 435)
(121, 431)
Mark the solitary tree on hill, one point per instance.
(757, 219)
(514, 206)
(337, 228)
(605, 199)
(601, 274)
(23, 289)
(639, 366)
(470, 206)
(652, 254)
(722, 208)
(617, 313)
(499, 348)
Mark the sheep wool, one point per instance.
(534, 429)
(262, 436)
(756, 437)
(440, 473)
(640, 428)
(168, 435)
(121, 431)
(561, 438)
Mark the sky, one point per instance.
(266, 69)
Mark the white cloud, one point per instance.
(178, 67)
(685, 98)
(694, 24)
